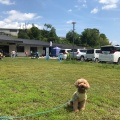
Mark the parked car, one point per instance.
(110, 53)
(78, 54)
(63, 53)
(93, 55)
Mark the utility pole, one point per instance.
(73, 37)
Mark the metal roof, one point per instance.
(10, 39)
(7, 38)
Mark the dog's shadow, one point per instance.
(68, 108)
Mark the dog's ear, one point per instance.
(76, 84)
(87, 84)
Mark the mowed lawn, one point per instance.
(37, 89)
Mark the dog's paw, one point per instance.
(82, 109)
(77, 111)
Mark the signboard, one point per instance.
(47, 53)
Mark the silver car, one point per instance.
(78, 54)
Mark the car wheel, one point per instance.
(96, 60)
(82, 59)
(118, 61)
(86, 60)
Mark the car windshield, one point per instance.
(83, 50)
(98, 51)
(62, 51)
(111, 48)
(107, 48)
(74, 50)
(90, 51)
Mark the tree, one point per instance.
(103, 40)
(63, 41)
(93, 38)
(48, 26)
(52, 35)
(69, 37)
(34, 33)
(23, 34)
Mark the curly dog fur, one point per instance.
(79, 98)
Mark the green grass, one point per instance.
(30, 86)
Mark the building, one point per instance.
(12, 32)
(9, 43)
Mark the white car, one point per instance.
(63, 53)
(78, 54)
(92, 55)
(110, 53)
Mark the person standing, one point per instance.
(26, 53)
(31, 53)
(37, 54)
(1, 54)
(13, 54)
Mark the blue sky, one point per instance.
(101, 14)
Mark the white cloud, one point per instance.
(109, 4)
(17, 25)
(16, 18)
(70, 10)
(94, 11)
(6, 2)
(81, 4)
(69, 22)
(16, 15)
(108, 1)
(3, 24)
(107, 7)
(84, 5)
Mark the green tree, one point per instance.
(76, 36)
(44, 33)
(23, 34)
(52, 35)
(48, 26)
(93, 38)
(63, 41)
(69, 36)
(103, 40)
(34, 33)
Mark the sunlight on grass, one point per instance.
(29, 86)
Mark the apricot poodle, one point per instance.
(79, 98)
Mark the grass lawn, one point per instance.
(32, 88)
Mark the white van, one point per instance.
(92, 55)
(110, 53)
(63, 53)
